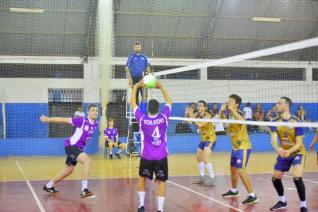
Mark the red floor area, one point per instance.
(120, 195)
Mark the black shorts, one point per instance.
(159, 167)
(72, 152)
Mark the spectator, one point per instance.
(79, 112)
(136, 66)
(215, 110)
(301, 113)
(248, 115)
(111, 139)
(271, 114)
(258, 115)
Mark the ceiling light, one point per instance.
(26, 10)
(266, 19)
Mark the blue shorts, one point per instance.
(284, 164)
(204, 144)
(240, 157)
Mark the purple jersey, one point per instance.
(82, 132)
(111, 133)
(153, 133)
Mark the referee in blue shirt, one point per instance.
(136, 67)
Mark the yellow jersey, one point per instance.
(238, 134)
(207, 132)
(287, 135)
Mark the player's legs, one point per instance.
(110, 148)
(200, 161)
(58, 178)
(161, 171)
(207, 152)
(146, 169)
(233, 192)
(297, 172)
(121, 148)
(282, 165)
(161, 193)
(84, 159)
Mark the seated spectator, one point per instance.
(111, 139)
(301, 113)
(248, 115)
(79, 112)
(215, 110)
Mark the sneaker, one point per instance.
(209, 181)
(250, 200)
(50, 190)
(303, 209)
(279, 205)
(111, 156)
(141, 209)
(86, 193)
(231, 194)
(118, 156)
(199, 180)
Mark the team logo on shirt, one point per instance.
(86, 128)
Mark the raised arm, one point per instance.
(235, 113)
(165, 93)
(59, 120)
(221, 112)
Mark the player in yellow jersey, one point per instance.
(314, 141)
(206, 146)
(241, 149)
(291, 153)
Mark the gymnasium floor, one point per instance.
(114, 185)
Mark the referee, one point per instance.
(136, 66)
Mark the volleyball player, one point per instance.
(241, 150)
(314, 141)
(111, 137)
(206, 145)
(154, 152)
(291, 153)
(84, 127)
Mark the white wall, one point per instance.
(36, 90)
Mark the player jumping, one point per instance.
(84, 127)
(153, 127)
(291, 153)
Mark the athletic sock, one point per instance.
(299, 183)
(161, 201)
(201, 169)
(234, 190)
(252, 195)
(84, 185)
(141, 195)
(278, 186)
(50, 184)
(209, 167)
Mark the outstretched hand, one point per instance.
(158, 84)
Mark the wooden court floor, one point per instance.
(116, 179)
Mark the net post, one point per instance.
(105, 46)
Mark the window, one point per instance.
(235, 73)
(63, 103)
(315, 74)
(41, 71)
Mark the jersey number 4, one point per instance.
(156, 141)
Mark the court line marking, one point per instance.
(37, 200)
(205, 196)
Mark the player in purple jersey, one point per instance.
(154, 152)
(111, 139)
(84, 127)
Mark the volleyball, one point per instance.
(150, 81)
